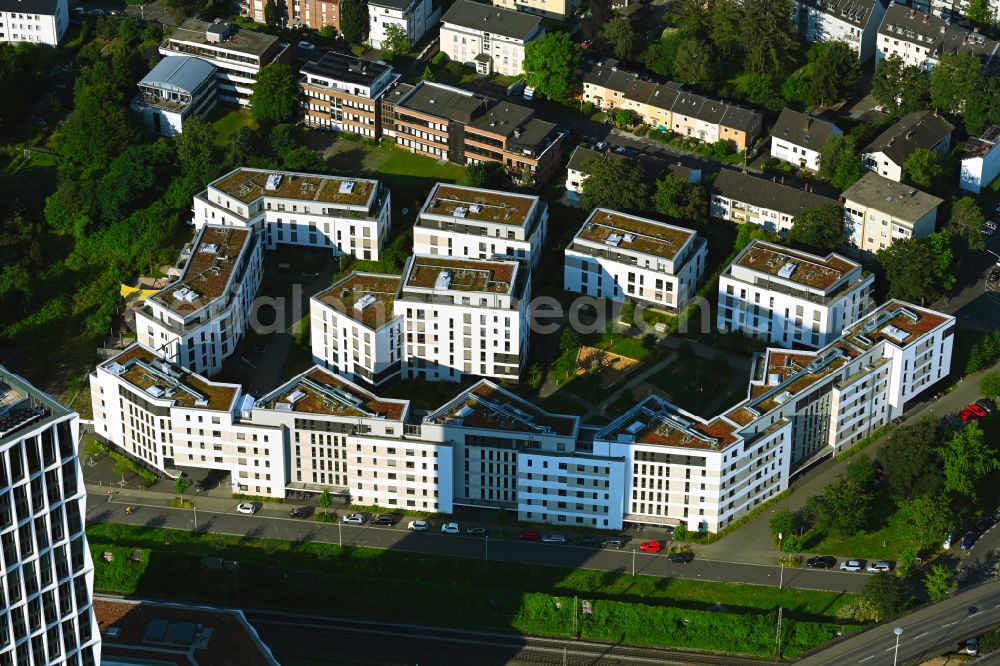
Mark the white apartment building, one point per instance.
(791, 298)
(955, 10)
(878, 211)
(345, 215)
(46, 616)
(619, 256)
(798, 138)
(34, 21)
(197, 320)
(237, 54)
(854, 22)
(579, 168)
(981, 161)
(355, 331)
(415, 17)
(491, 39)
(342, 93)
(887, 154)
(559, 10)
(475, 223)
(921, 39)
(463, 317)
(177, 88)
(742, 198)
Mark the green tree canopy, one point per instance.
(601, 13)
(131, 180)
(725, 27)
(196, 150)
(911, 461)
(620, 35)
(966, 222)
(625, 117)
(484, 174)
(614, 184)
(693, 64)
(270, 14)
(886, 595)
(989, 385)
(835, 72)
(845, 506)
(911, 269)
(354, 20)
(395, 42)
(900, 88)
(979, 11)
(768, 36)
(549, 62)
(840, 162)
(99, 130)
(922, 168)
(668, 199)
(939, 582)
(956, 79)
(925, 520)
(968, 458)
(820, 228)
(275, 95)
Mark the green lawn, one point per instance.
(425, 395)
(226, 122)
(882, 544)
(693, 382)
(365, 582)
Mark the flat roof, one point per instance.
(443, 101)
(486, 405)
(248, 185)
(23, 406)
(473, 203)
(208, 270)
(160, 379)
(795, 373)
(179, 73)
(319, 391)
(447, 273)
(896, 322)
(809, 270)
(628, 232)
(656, 421)
(374, 291)
(902, 201)
(194, 31)
(343, 67)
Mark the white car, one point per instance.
(852, 565)
(553, 538)
(353, 519)
(417, 526)
(307, 46)
(246, 507)
(450, 528)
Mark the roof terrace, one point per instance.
(365, 297)
(473, 275)
(160, 379)
(486, 405)
(627, 232)
(319, 391)
(899, 323)
(208, 271)
(248, 185)
(471, 203)
(803, 269)
(656, 421)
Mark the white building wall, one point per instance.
(348, 347)
(566, 489)
(401, 474)
(978, 172)
(415, 20)
(27, 26)
(464, 44)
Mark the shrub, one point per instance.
(439, 58)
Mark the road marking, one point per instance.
(920, 636)
(945, 626)
(871, 656)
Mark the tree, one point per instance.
(549, 62)
(196, 150)
(484, 174)
(131, 180)
(601, 13)
(911, 461)
(395, 41)
(989, 385)
(614, 184)
(270, 13)
(724, 27)
(939, 582)
(768, 36)
(784, 528)
(693, 63)
(275, 95)
(180, 485)
(840, 163)
(845, 506)
(925, 520)
(569, 341)
(659, 58)
(922, 168)
(354, 20)
(624, 118)
(325, 501)
(966, 222)
(885, 593)
(428, 74)
(99, 129)
(911, 270)
(620, 35)
(820, 228)
(835, 72)
(328, 32)
(967, 459)
(978, 11)
(668, 198)
(627, 314)
(957, 78)
(900, 88)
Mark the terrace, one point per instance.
(319, 391)
(365, 297)
(442, 273)
(795, 383)
(480, 205)
(488, 406)
(637, 234)
(896, 323)
(160, 379)
(655, 421)
(208, 269)
(248, 185)
(802, 269)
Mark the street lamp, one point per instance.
(633, 561)
(487, 542)
(340, 533)
(899, 632)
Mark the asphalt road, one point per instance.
(220, 516)
(928, 632)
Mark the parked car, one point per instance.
(306, 46)
(996, 516)
(613, 542)
(384, 519)
(79, 10)
(651, 546)
(353, 519)
(852, 565)
(983, 524)
(994, 274)
(969, 540)
(246, 507)
(682, 557)
(529, 535)
(417, 526)
(880, 565)
(553, 538)
(298, 512)
(821, 562)
(476, 531)
(529, 93)
(95, 12)
(972, 647)
(450, 528)
(988, 405)
(947, 540)
(972, 413)
(584, 540)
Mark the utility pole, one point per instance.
(633, 561)
(486, 558)
(781, 580)
(340, 534)
(195, 509)
(777, 636)
(574, 616)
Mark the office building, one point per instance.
(879, 211)
(46, 611)
(491, 39)
(342, 93)
(177, 88)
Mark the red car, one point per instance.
(651, 546)
(529, 535)
(972, 413)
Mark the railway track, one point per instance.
(350, 641)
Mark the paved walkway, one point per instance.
(633, 381)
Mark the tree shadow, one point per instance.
(351, 160)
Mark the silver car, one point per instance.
(852, 565)
(553, 538)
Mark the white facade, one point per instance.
(618, 256)
(345, 215)
(355, 331)
(488, 38)
(921, 39)
(463, 317)
(46, 616)
(878, 211)
(791, 298)
(475, 223)
(35, 21)
(798, 138)
(743, 198)
(981, 161)
(415, 17)
(197, 320)
(853, 22)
